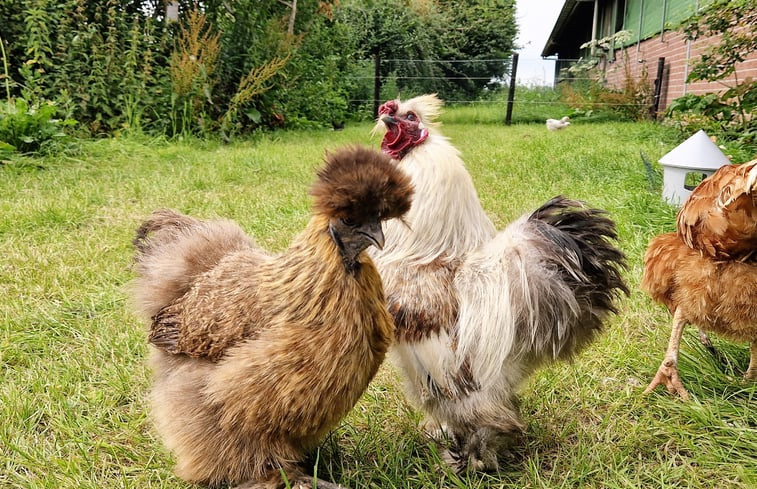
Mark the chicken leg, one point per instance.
(667, 374)
(705, 340)
(751, 372)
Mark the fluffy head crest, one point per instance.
(358, 183)
(426, 107)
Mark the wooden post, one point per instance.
(376, 83)
(292, 15)
(172, 11)
(511, 92)
(657, 88)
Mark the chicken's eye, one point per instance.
(349, 222)
(411, 116)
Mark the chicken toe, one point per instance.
(299, 483)
(253, 484)
(667, 375)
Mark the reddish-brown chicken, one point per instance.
(706, 273)
(256, 357)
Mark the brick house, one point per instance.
(652, 24)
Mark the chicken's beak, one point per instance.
(372, 231)
(389, 121)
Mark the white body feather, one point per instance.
(442, 188)
(447, 223)
(482, 310)
(556, 125)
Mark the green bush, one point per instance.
(230, 67)
(730, 116)
(31, 128)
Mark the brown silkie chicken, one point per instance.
(479, 310)
(706, 273)
(256, 356)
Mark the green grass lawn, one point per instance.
(72, 353)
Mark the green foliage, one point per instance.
(420, 53)
(732, 115)
(96, 59)
(30, 129)
(192, 66)
(120, 66)
(735, 21)
(485, 32)
(321, 76)
(589, 92)
(718, 116)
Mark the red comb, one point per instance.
(388, 107)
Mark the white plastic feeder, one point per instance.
(699, 155)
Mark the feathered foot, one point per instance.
(480, 450)
(717, 355)
(434, 430)
(459, 462)
(321, 484)
(667, 374)
(300, 483)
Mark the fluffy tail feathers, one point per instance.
(541, 289)
(172, 250)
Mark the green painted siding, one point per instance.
(652, 18)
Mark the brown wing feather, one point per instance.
(219, 310)
(716, 295)
(720, 217)
(660, 261)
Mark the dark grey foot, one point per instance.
(308, 483)
(299, 483)
(480, 450)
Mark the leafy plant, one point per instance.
(250, 86)
(30, 129)
(730, 115)
(588, 90)
(120, 65)
(453, 48)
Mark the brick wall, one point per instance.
(675, 49)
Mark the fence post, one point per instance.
(376, 83)
(657, 88)
(511, 92)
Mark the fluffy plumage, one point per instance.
(476, 311)
(556, 125)
(257, 356)
(706, 273)
(359, 184)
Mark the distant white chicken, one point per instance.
(555, 125)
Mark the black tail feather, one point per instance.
(581, 239)
(587, 232)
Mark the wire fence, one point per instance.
(517, 77)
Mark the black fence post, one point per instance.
(657, 88)
(376, 83)
(511, 92)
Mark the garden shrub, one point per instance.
(28, 128)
